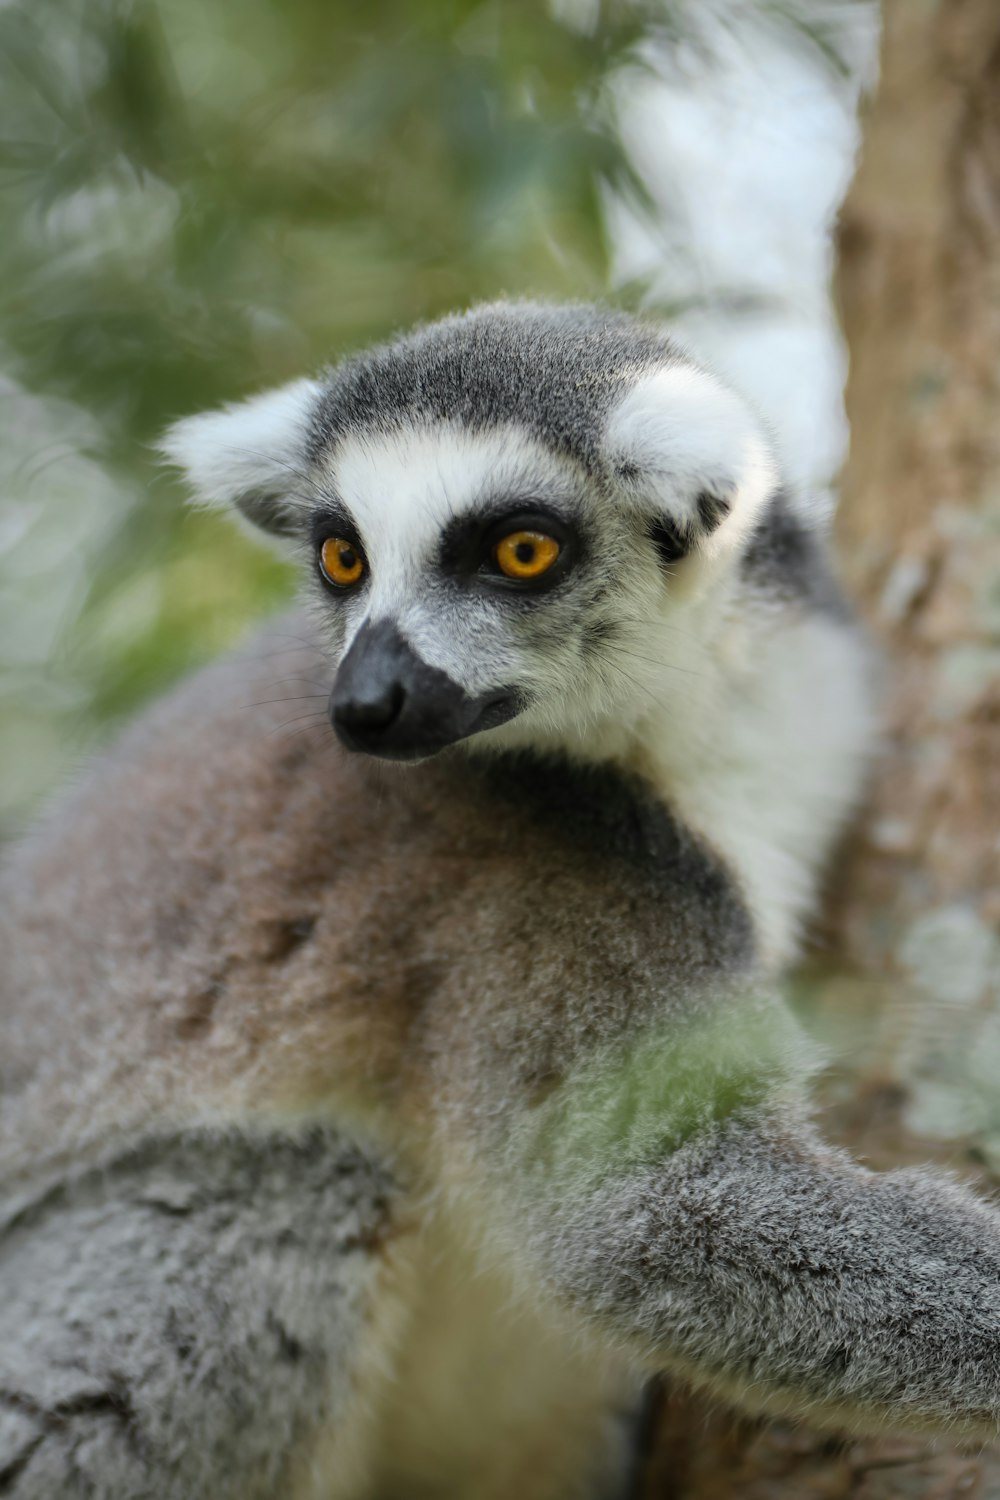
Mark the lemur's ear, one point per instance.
(692, 455)
(250, 455)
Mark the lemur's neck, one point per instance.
(757, 745)
(735, 801)
(731, 802)
(769, 760)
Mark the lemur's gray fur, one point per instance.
(370, 1132)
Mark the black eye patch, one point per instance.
(332, 520)
(468, 541)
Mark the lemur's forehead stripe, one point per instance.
(555, 372)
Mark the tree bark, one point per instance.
(909, 962)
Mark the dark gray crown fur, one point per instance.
(555, 370)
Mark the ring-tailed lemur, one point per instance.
(371, 1130)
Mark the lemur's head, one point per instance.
(508, 515)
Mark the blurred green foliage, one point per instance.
(200, 199)
(211, 195)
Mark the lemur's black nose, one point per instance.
(388, 701)
(360, 716)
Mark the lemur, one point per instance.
(386, 1097)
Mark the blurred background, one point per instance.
(200, 199)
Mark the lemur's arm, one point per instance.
(773, 1268)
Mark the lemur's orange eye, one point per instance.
(341, 562)
(526, 554)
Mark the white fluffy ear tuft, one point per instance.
(251, 455)
(685, 444)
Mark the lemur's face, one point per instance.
(471, 579)
(480, 577)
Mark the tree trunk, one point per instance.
(913, 927)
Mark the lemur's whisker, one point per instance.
(656, 625)
(303, 677)
(296, 643)
(285, 650)
(306, 682)
(321, 723)
(651, 661)
(643, 688)
(293, 698)
(315, 716)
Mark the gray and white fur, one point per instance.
(372, 1131)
